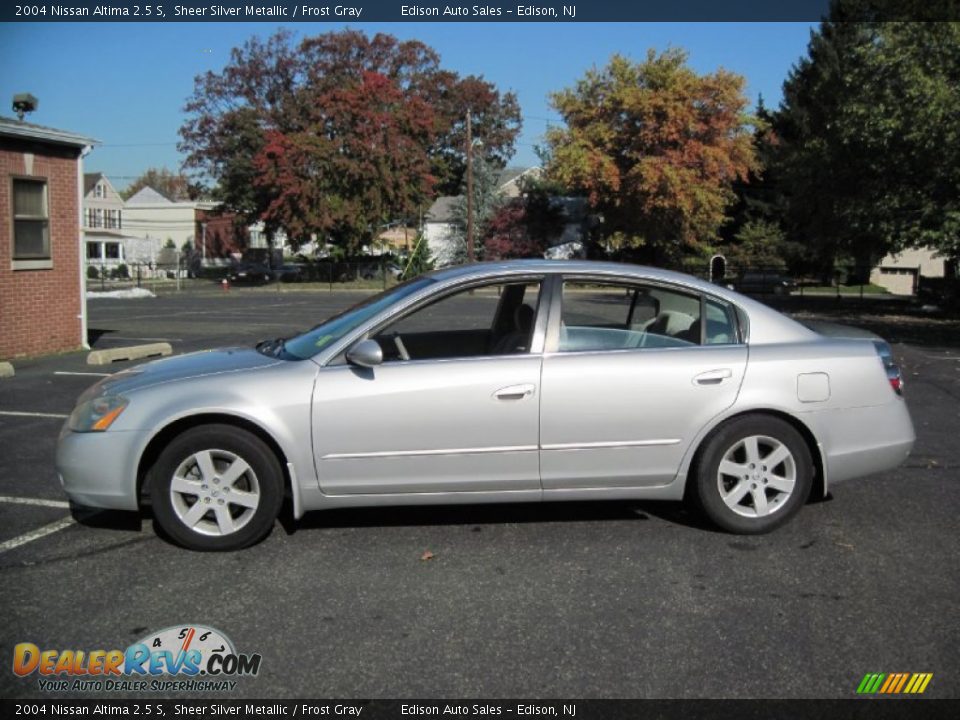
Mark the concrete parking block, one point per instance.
(132, 352)
(6, 370)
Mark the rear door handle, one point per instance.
(713, 377)
(515, 392)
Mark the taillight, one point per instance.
(895, 378)
(893, 370)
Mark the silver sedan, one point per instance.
(522, 381)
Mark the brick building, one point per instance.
(42, 280)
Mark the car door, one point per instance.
(630, 375)
(452, 408)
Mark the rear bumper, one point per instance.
(863, 441)
(100, 469)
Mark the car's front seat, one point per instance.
(518, 339)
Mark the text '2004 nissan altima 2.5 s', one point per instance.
(511, 382)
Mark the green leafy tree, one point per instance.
(420, 260)
(869, 139)
(655, 147)
(487, 200)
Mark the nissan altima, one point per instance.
(522, 381)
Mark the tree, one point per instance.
(174, 186)
(420, 260)
(655, 147)
(523, 227)
(487, 200)
(869, 133)
(359, 160)
(278, 103)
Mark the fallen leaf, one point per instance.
(427, 555)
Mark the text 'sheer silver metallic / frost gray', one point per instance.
(509, 382)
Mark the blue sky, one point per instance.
(125, 83)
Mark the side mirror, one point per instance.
(366, 353)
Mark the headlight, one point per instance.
(97, 414)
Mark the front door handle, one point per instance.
(515, 392)
(713, 377)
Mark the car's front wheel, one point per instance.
(753, 474)
(216, 487)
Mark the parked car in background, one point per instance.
(292, 272)
(251, 273)
(522, 381)
(762, 283)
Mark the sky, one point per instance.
(125, 84)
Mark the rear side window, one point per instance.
(620, 316)
(721, 323)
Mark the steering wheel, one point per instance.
(401, 348)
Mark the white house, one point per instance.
(103, 222)
(156, 219)
(900, 273)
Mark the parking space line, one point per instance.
(39, 502)
(66, 372)
(36, 534)
(17, 413)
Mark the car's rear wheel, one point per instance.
(753, 474)
(216, 487)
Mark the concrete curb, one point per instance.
(133, 352)
(6, 370)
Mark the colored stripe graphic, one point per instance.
(894, 683)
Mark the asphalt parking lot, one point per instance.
(553, 601)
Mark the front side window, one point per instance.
(308, 344)
(496, 319)
(31, 226)
(627, 316)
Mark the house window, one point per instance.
(100, 191)
(31, 226)
(112, 251)
(93, 251)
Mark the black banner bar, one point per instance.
(360, 11)
(854, 709)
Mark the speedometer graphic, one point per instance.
(179, 640)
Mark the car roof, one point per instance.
(576, 267)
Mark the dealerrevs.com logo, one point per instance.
(180, 658)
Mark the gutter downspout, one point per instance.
(82, 254)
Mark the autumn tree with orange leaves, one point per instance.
(656, 148)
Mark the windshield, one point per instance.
(333, 329)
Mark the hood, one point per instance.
(181, 367)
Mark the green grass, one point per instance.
(868, 289)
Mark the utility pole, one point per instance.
(470, 255)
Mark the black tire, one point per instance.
(222, 445)
(776, 506)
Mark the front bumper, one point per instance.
(99, 469)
